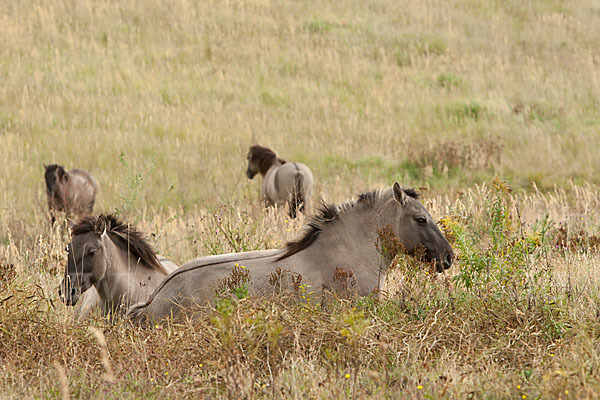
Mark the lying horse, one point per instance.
(73, 192)
(337, 250)
(283, 182)
(112, 264)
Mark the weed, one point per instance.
(134, 183)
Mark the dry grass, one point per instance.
(429, 336)
(160, 101)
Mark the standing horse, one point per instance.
(73, 192)
(337, 250)
(113, 259)
(283, 182)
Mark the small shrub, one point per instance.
(236, 284)
(442, 156)
(570, 241)
(318, 26)
(460, 112)
(448, 80)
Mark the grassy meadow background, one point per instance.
(160, 101)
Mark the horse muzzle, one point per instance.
(68, 296)
(444, 262)
(249, 174)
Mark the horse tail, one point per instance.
(297, 200)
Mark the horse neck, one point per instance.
(57, 197)
(350, 243)
(125, 277)
(274, 165)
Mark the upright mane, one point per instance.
(264, 157)
(123, 234)
(328, 212)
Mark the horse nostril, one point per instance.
(449, 260)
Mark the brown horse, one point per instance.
(283, 182)
(339, 241)
(109, 260)
(72, 192)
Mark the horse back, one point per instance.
(285, 178)
(86, 179)
(229, 257)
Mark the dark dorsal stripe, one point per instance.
(123, 235)
(329, 212)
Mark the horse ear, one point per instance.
(45, 166)
(399, 194)
(70, 223)
(101, 226)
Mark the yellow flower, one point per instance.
(420, 387)
(524, 396)
(551, 355)
(200, 365)
(242, 266)
(566, 392)
(167, 373)
(347, 376)
(518, 386)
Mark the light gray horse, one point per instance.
(73, 192)
(347, 247)
(283, 182)
(112, 264)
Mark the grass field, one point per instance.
(491, 109)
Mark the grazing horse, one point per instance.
(347, 247)
(283, 182)
(73, 192)
(112, 264)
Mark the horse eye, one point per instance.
(421, 220)
(92, 252)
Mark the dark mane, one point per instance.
(411, 193)
(329, 212)
(123, 234)
(264, 158)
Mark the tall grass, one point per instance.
(160, 101)
(516, 315)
